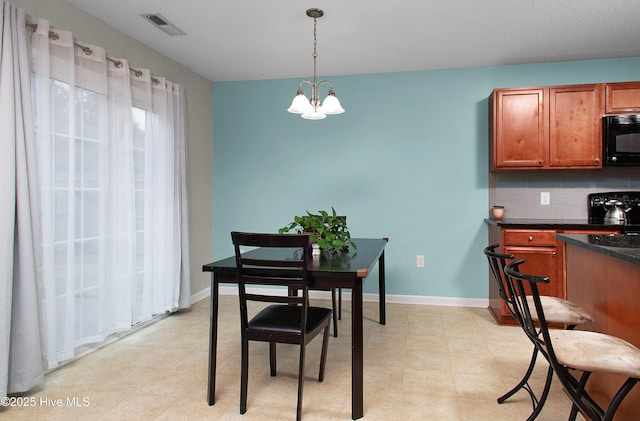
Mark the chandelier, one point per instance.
(311, 109)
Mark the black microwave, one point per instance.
(621, 139)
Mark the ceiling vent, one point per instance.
(163, 24)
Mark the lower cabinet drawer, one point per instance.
(517, 237)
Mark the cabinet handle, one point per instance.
(531, 238)
(541, 161)
(554, 254)
(597, 160)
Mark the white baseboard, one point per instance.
(390, 298)
(201, 295)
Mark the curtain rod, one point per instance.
(88, 51)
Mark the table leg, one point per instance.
(381, 289)
(357, 347)
(213, 341)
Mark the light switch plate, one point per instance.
(545, 198)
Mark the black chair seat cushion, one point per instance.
(286, 318)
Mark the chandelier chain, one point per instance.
(315, 57)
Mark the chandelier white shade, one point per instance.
(312, 109)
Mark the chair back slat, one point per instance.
(284, 264)
(272, 280)
(247, 261)
(274, 299)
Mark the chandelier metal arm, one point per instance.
(315, 88)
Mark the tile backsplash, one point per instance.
(519, 192)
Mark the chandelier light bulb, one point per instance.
(331, 105)
(300, 104)
(314, 115)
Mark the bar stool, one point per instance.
(571, 350)
(557, 311)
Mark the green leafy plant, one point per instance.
(329, 231)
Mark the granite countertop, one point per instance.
(556, 224)
(625, 247)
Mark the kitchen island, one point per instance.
(603, 276)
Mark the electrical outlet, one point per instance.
(419, 261)
(545, 198)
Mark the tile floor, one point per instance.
(427, 363)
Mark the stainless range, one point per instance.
(628, 201)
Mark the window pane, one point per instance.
(138, 119)
(60, 107)
(90, 165)
(139, 252)
(60, 258)
(61, 161)
(90, 214)
(91, 270)
(138, 167)
(91, 104)
(61, 215)
(77, 162)
(139, 210)
(77, 220)
(77, 266)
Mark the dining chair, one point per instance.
(573, 350)
(287, 318)
(336, 298)
(558, 311)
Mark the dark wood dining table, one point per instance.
(330, 270)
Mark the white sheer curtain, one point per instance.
(160, 156)
(110, 143)
(21, 363)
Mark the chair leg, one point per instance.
(244, 376)
(272, 358)
(323, 355)
(523, 383)
(339, 303)
(617, 399)
(300, 382)
(333, 316)
(538, 404)
(582, 402)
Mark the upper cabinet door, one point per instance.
(623, 97)
(575, 126)
(519, 128)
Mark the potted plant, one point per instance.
(329, 231)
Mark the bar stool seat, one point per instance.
(596, 352)
(559, 311)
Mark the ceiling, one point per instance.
(230, 40)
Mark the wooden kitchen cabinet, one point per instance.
(543, 255)
(539, 249)
(622, 97)
(575, 126)
(546, 128)
(519, 128)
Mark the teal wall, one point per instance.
(407, 160)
